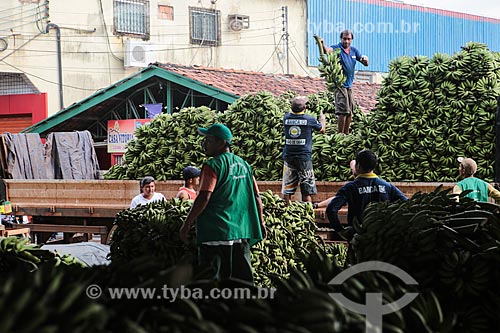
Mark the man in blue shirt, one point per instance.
(297, 152)
(357, 194)
(344, 100)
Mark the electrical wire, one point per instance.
(4, 10)
(17, 19)
(270, 57)
(106, 32)
(280, 59)
(39, 20)
(45, 80)
(302, 60)
(306, 71)
(4, 18)
(20, 47)
(62, 27)
(17, 26)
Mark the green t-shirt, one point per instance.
(479, 188)
(231, 212)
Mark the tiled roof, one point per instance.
(239, 82)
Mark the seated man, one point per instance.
(148, 194)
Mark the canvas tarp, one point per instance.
(72, 155)
(65, 155)
(89, 253)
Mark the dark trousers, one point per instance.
(228, 261)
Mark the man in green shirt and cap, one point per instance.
(227, 210)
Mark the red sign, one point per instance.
(122, 131)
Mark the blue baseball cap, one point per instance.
(190, 172)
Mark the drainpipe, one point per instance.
(59, 61)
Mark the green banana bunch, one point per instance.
(290, 234)
(331, 70)
(18, 254)
(152, 229)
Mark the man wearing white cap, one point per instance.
(297, 152)
(481, 190)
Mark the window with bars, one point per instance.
(205, 26)
(16, 84)
(132, 17)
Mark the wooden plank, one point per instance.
(59, 211)
(89, 195)
(91, 229)
(95, 229)
(14, 232)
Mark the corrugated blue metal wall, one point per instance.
(385, 30)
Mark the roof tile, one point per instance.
(239, 82)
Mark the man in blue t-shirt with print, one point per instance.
(297, 152)
(344, 100)
(357, 194)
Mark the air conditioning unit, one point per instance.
(137, 53)
(239, 22)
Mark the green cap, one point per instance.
(218, 130)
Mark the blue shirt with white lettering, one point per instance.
(298, 135)
(348, 62)
(357, 194)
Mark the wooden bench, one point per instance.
(89, 229)
(6, 232)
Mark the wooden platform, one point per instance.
(6, 232)
(64, 228)
(90, 206)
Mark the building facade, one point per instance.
(71, 49)
(384, 30)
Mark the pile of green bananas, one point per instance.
(256, 121)
(57, 301)
(153, 230)
(170, 142)
(18, 254)
(165, 146)
(309, 300)
(429, 112)
(449, 246)
(290, 235)
(330, 67)
(50, 299)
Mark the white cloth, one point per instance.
(89, 253)
(140, 200)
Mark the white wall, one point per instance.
(94, 59)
